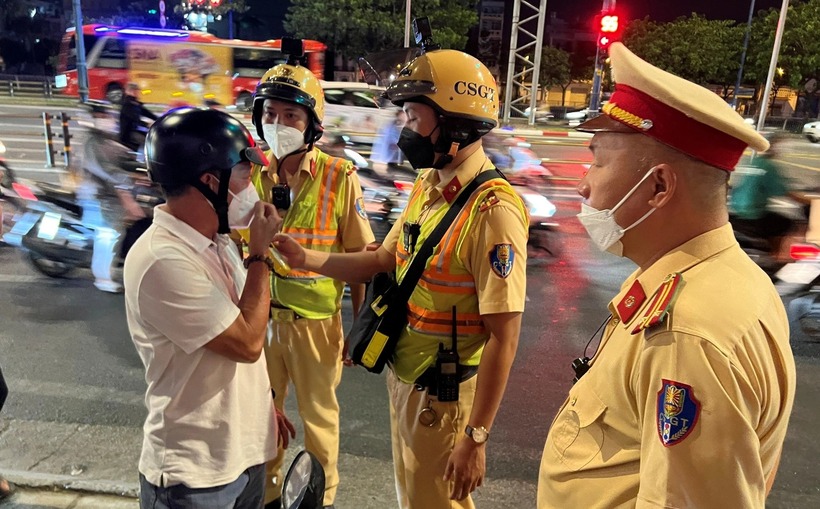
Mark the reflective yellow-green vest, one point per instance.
(313, 221)
(445, 283)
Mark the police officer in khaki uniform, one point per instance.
(687, 400)
(479, 268)
(320, 199)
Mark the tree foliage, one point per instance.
(799, 56)
(700, 50)
(555, 67)
(358, 27)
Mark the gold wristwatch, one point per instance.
(479, 434)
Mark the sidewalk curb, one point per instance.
(39, 481)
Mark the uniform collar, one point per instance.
(641, 285)
(307, 164)
(181, 229)
(461, 176)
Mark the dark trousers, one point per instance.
(246, 492)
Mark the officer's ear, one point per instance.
(665, 181)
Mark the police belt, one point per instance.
(281, 314)
(427, 380)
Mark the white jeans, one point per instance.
(105, 240)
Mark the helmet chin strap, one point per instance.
(447, 158)
(218, 200)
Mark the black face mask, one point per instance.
(419, 150)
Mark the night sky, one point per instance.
(272, 12)
(663, 10)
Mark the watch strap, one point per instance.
(259, 258)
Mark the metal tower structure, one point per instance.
(524, 60)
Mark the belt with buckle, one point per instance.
(283, 315)
(427, 380)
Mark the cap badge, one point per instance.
(613, 110)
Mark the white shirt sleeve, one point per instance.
(184, 304)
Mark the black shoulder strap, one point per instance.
(408, 284)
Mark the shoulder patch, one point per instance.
(351, 170)
(360, 208)
(677, 411)
(660, 303)
(489, 201)
(502, 258)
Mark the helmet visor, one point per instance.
(255, 155)
(404, 90)
(285, 92)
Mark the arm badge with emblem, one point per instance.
(677, 411)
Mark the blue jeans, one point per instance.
(246, 492)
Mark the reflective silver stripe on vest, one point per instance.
(309, 236)
(439, 282)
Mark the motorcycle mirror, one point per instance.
(304, 486)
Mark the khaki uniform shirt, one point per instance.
(687, 412)
(501, 223)
(354, 228)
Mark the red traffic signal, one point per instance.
(609, 29)
(609, 23)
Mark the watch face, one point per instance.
(480, 435)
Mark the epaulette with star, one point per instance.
(660, 304)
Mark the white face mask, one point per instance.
(240, 210)
(283, 140)
(601, 225)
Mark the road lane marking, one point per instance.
(17, 278)
(77, 391)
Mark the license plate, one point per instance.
(25, 223)
(799, 273)
(49, 226)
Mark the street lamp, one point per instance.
(407, 24)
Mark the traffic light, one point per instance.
(609, 29)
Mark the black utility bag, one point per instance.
(383, 316)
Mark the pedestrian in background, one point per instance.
(198, 318)
(320, 199)
(687, 399)
(479, 269)
(386, 152)
(131, 112)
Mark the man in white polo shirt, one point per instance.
(198, 318)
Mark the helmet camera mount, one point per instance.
(423, 34)
(294, 49)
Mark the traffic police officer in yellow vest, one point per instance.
(320, 199)
(479, 267)
(687, 400)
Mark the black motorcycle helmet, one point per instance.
(185, 143)
(304, 486)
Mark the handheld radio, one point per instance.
(447, 368)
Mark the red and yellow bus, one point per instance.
(173, 66)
